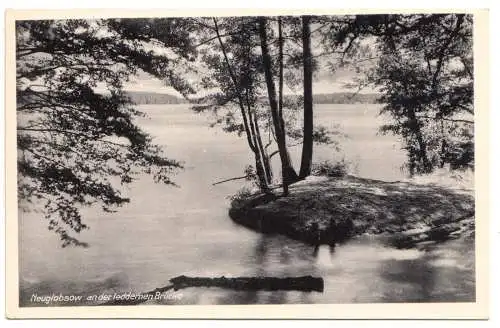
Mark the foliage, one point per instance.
(331, 169)
(78, 143)
(241, 196)
(423, 66)
(435, 87)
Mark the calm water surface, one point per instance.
(165, 231)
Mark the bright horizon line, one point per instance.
(322, 87)
(286, 94)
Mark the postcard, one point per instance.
(247, 164)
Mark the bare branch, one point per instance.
(231, 179)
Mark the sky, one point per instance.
(324, 81)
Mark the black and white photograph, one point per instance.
(283, 159)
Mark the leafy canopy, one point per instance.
(78, 143)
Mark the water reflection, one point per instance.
(324, 254)
(363, 270)
(359, 271)
(276, 256)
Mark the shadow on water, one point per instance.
(415, 277)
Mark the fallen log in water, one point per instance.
(304, 283)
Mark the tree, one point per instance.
(288, 173)
(77, 140)
(230, 63)
(435, 117)
(241, 69)
(423, 66)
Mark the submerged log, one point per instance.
(304, 283)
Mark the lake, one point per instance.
(167, 231)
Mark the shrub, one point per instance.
(241, 195)
(330, 169)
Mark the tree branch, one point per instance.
(213, 38)
(442, 52)
(231, 179)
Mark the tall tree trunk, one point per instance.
(280, 61)
(280, 90)
(250, 134)
(288, 173)
(307, 146)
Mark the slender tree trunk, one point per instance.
(260, 167)
(288, 173)
(259, 164)
(307, 147)
(250, 133)
(265, 156)
(254, 125)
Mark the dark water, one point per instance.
(165, 232)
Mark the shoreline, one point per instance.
(323, 210)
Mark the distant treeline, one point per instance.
(346, 98)
(141, 98)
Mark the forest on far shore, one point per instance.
(153, 98)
